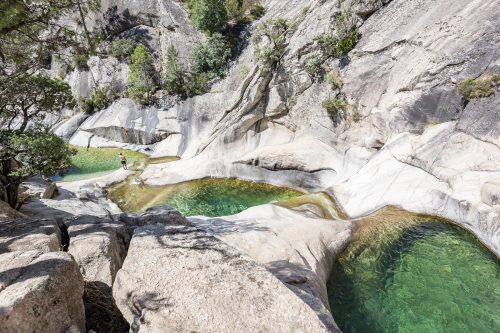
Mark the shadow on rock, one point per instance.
(101, 313)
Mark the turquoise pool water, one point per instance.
(95, 162)
(424, 277)
(208, 197)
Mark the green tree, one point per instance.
(234, 9)
(208, 15)
(29, 99)
(26, 147)
(142, 76)
(122, 48)
(31, 32)
(212, 56)
(174, 73)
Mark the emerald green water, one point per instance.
(95, 162)
(208, 197)
(426, 276)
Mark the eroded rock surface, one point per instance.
(99, 246)
(40, 292)
(181, 279)
(299, 250)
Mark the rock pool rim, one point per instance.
(392, 209)
(366, 225)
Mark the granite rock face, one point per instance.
(99, 246)
(173, 273)
(26, 234)
(40, 293)
(400, 80)
(298, 249)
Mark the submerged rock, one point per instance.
(181, 279)
(40, 292)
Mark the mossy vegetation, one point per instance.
(484, 86)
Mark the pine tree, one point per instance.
(174, 72)
(142, 76)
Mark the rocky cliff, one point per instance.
(408, 138)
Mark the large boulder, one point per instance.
(163, 215)
(40, 293)
(99, 246)
(8, 213)
(181, 279)
(298, 249)
(126, 121)
(29, 234)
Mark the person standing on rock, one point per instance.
(123, 160)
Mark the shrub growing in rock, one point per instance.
(269, 42)
(212, 56)
(334, 79)
(79, 61)
(256, 11)
(122, 48)
(234, 9)
(99, 100)
(142, 76)
(346, 37)
(313, 66)
(335, 108)
(178, 81)
(483, 86)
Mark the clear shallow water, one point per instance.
(425, 276)
(208, 197)
(96, 162)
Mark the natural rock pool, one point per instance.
(95, 162)
(209, 197)
(415, 275)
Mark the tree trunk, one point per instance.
(87, 35)
(9, 187)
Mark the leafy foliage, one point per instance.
(256, 11)
(212, 56)
(272, 34)
(313, 66)
(347, 35)
(30, 98)
(335, 108)
(38, 152)
(178, 81)
(483, 86)
(122, 48)
(142, 76)
(174, 73)
(31, 33)
(208, 15)
(99, 100)
(233, 9)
